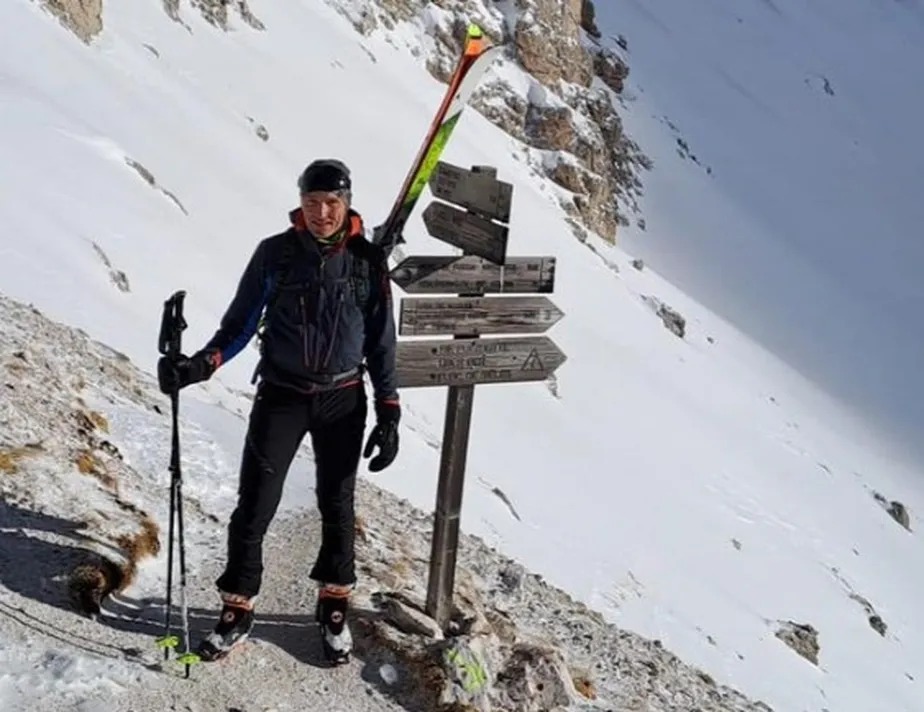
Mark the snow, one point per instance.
(796, 253)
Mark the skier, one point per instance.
(323, 292)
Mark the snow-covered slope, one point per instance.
(697, 491)
(798, 218)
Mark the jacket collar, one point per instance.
(354, 225)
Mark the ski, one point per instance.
(476, 57)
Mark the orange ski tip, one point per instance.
(474, 47)
(474, 41)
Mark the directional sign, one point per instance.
(438, 274)
(457, 362)
(474, 316)
(473, 234)
(478, 191)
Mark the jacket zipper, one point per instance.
(301, 301)
(333, 334)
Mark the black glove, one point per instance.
(176, 372)
(384, 435)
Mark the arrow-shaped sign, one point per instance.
(477, 191)
(475, 316)
(439, 274)
(457, 362)
(475, 235)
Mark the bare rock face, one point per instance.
(802, 638)
(589, 19)
(552, 60)
(550, 128)
(216, 12)
(610, 68)
(82, 17)
(559, 109)
(896, 510)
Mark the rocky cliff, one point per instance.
(561, 103)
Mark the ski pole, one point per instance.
(169, 344)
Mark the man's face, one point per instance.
(324, 213)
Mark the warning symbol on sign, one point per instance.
(533, 362)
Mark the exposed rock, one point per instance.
(465, 662)
(672, 319)
(172, 8)
(563, 59)
(82, 17)
(875, 620)
(802, 638)
(216, 12)
(589, 19)
(896, 510)
(639, 264)
(899, 513)
(535, 678)
(545, 40)
(410, 618)
(503, 108)
(878, 625)
(584, 685)
(610, 68)
(511, 577)
(550, 127)
(151, 181)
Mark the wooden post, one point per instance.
(448, 513)
(449, 504)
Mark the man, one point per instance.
(323, 293)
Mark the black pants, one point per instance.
(279, 420)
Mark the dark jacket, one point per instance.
(319, 331)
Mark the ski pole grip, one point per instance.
(172, 324)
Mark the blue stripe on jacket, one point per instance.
(240, 341)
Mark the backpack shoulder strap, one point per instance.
(281, 267)
(367, 260)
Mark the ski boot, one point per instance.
(331, 615)
(233, 628)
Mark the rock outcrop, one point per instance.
(82, 17)
(563, 110)
(802, 638)
(216, 12)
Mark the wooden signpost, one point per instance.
(427, 316)
(478, 191)
(474, 275)
(473, 234)
(466, 359)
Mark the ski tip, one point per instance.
(474, 41)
